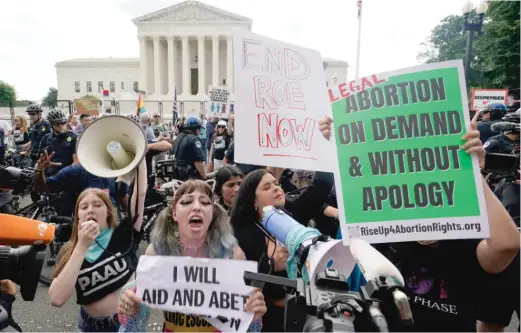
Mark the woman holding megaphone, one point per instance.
(100, 256)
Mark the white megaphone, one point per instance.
(111, 146)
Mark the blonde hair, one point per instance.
(23, 123)
(220, 240)
(112, 222)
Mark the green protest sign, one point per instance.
(402, 175)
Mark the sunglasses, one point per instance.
(156, 116)
(32, 113)
(221, 126)
(59, 123)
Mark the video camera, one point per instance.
(503, 165)
(21, 181)
(319, 298)
(22, 265)
(380, 306)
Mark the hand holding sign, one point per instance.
(129, 303)
(324, 126)
(474, 144)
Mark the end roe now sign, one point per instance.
(398, 145)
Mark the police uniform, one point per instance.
(188, 149)
(500, 144)
(485, 130)
(63, 146)
(38, 131)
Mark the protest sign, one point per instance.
(401, 173)
(212, 289)
(219, 102)
(482, 97)
(280, 92)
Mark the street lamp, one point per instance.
(471, 26)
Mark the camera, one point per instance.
(20, 181)
(380, 306)
(22, 265)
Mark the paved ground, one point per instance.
(40, 316)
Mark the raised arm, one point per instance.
(138, 194)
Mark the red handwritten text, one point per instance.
(345, 89)
(274, 131)
(277, 94)
(284, 62)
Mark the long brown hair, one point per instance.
(220, 239)
(23, 123)
(66, 250)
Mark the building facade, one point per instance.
(184, 48)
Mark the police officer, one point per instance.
(508, 140)
(188, 151)
(60, 141)
(489, 116)
(39, 128)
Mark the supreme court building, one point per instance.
(186, 48)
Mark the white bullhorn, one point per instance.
(111, 146)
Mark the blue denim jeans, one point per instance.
(87, 323)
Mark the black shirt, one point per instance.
(220, 145)
(485, 130)
(188, 148)
(508, 193)
(245, 168)
(252, 241)
(38, 131)
(500, 144)
(444, 283)
(63, 146)
(112, 270)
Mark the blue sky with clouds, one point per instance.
(35, 34)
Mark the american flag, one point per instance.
(174, 108)
(359, 6)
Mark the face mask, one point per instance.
(95, 250)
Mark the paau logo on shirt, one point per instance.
(69, 139)
(43, 129)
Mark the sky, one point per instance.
(35, 34)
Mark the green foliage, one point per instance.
(51, 99)
(7, 94)
(495, 53)
(499, 45)
(91, 97)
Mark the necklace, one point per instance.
(193, 249)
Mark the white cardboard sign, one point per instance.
(213, 289)
(280, 95)
(482, 97)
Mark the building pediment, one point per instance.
(190, 11)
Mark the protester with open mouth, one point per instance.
(261, 188)
(194, 225)
(100, 256)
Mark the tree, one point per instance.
(92, 97)
(51, 99)
(499, 44)
(495, 61)
(7, 94)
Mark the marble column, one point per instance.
(186, 66)
(201, 60)
(229, 64)
(171, 69)
(215, 60)
(157, 67)
(143, 63)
